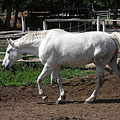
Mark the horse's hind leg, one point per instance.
(100, 81)
(62, 96)
(114, 66)
(52, 78)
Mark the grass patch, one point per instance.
(25, 74)
(2, 56)
(2, 49)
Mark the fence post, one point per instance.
(28, 29)
(38, 29)
(23, 24)
(98, 23)
(85, 26)
(70, 26)
(104, 27)
(44, 25)
(59, 25)
(78, 26)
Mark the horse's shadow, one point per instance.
(107, 101)
(98, 101)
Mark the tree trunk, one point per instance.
(16, 16)
(115, 13)
(9, 10)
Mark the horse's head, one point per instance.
(11, 56)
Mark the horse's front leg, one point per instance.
(46, 70)
(100, 81)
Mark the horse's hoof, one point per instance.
(63, 97)
(88, 102)
(60, 102)
(45, 98)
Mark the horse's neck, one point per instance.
(30, 43)
(30, 48)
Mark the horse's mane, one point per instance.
(31, 37)
(35, 36)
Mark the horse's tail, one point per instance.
(116, 37)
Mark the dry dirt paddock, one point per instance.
(24, 103)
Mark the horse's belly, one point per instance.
(76, 61)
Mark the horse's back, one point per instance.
(78, 48)
(82, 42)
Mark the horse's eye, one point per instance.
(8, 51)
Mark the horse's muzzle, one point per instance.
(5, 68)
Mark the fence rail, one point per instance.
(25, 61)
(18, 34)
(10, 34)
(2, 53)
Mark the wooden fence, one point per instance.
(18, 34)
(8, 34)
(84, 24)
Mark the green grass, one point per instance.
(24, 74)
(2, 49)
(2, 56)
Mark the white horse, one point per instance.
(57, 47)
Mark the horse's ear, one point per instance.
(11, 42)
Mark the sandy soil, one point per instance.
(24, 103)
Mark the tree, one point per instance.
(8, 5)
(20, 5)
(113, 5)
(116, 4)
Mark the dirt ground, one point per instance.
(24, 103)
